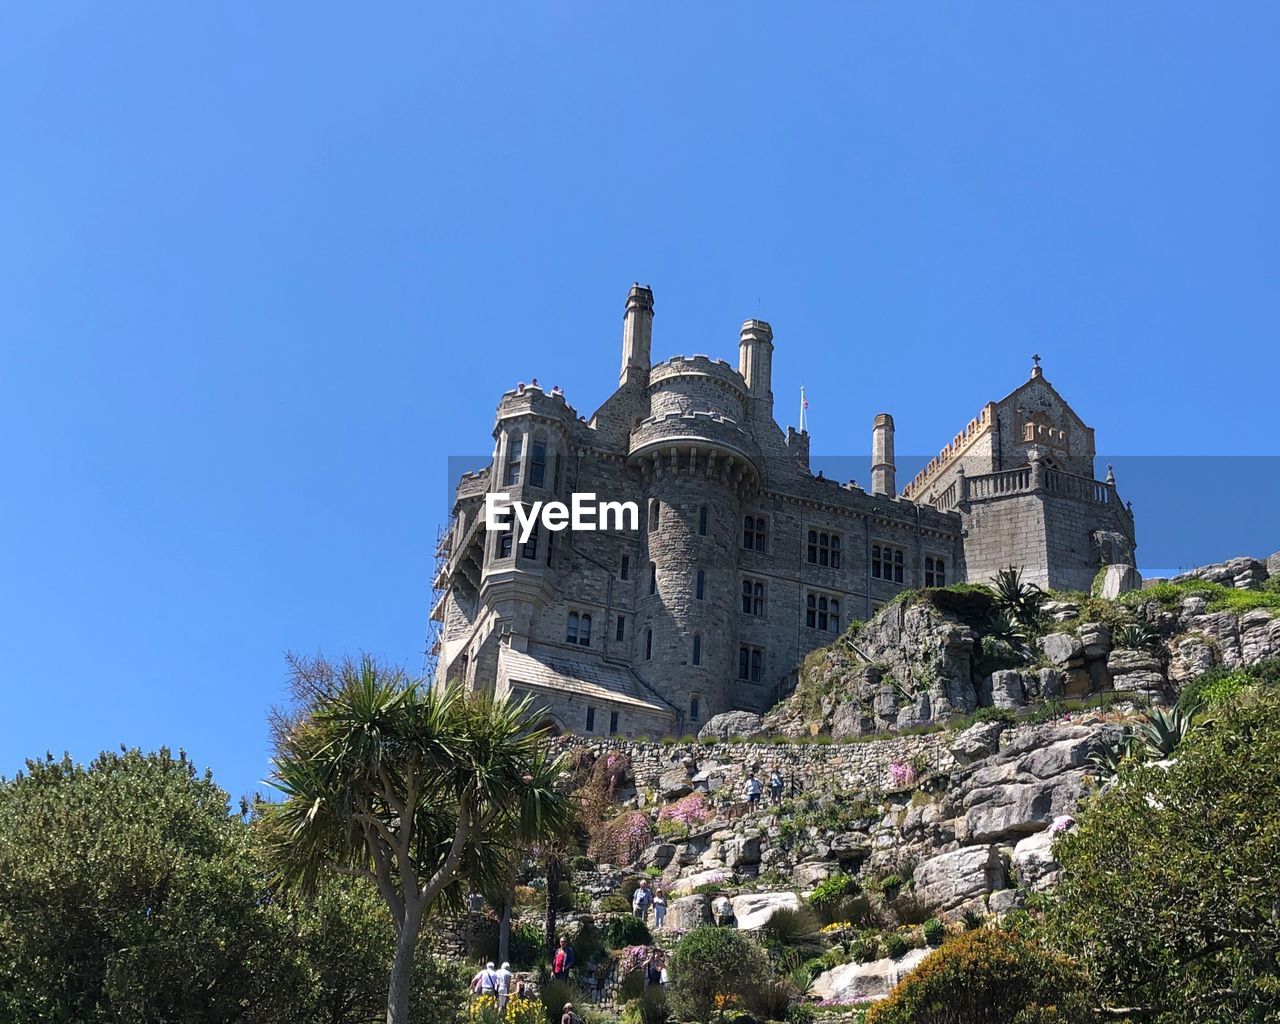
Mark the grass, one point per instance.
(1220, 598)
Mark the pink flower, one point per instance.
(901, 774)
(689, 811)
(1061, 823)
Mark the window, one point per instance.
(620, 630)
(648, 644)
(514, 448)
(693, 709)
(822, 612)
(824, 548)
(504, 543)
(702, 521)
(529, 549)
(754, 529)
(538, 464)
(750, 663)
(935, 572)
(752, 597)
(653, 578)
(697, 648)
(578, 629)
(613, 723)
(700, 588)
(591, 719)
(625, 571)
(887, 563)
(655, 514)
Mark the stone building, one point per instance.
(743, 560)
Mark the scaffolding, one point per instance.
(435, 618)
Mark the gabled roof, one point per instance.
(1039, 378)
(615, 684)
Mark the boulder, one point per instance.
(1062, 648)
(859, 983)
(675, 782)
(660, 854)
(732, 723)
(809, 874)
(1033, 862)
(1273, 565)
(945, 882)
(1137, 672)
(1120, 579)
(1007, 690)
(850, 846)
(976, 742)
(1188, 658)
(1095, 638)
(691, 882)
(688, 912)
(1049, 682)
(752, 910)
(1009, 810)
(740, 851)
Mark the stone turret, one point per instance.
(637, 336)
(882, 467)
(755, 362)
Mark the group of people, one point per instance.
(755, 789)
(497, 984)
(644, 898)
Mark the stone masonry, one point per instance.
(744, 560)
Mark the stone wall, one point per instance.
(659, 769)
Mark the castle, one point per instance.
(744, 560)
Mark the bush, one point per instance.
(650, 1008)
(627, 930)
(829, 891)
(896, 945)
(623, 838)
(554, 994)
(712, 961)
(802, 1013)
(890, 886)
(933, 931)
(987, 976)
(772, 998)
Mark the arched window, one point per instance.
(655, 513)
(694, 707)
(700, 589)
(697, 648)
(515, 445)
(648, 644)
(653, 578)
(571, 629)
(584, 631)
(538, 464)
(702, 520)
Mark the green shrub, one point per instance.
(830, 890)
(650, 1007)
(933, 931)
(710, 961)
(627, 930)
(988, 976)
(797, 929)
(615, 903)
(994, 715)
(866, 946)
(896, 945)
(890, 885)
(801, 1013)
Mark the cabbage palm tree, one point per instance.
(421, 791)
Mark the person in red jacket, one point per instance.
(563, 960)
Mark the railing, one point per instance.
(1027, 480)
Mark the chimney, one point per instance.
(755, 360)
(882, 469)
(637, 335)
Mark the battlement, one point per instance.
(534, 399)
(974, 429)
(700, 366)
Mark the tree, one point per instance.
(984, 976)
(1168, 892)
(413, 789)
(710, 968)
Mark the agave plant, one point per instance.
(1163, 731)
(1137, 636)
(1022, 602)
(1112, 755)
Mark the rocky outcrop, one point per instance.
(688, 912)
(1032, 861)
(857, 983)
(732, 724)
(752, 911)
(956, 880)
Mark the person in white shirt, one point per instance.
(502, 985)
(754, 789)
(485, 982)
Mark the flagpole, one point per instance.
(802, 408)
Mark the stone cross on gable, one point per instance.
(1036, 359)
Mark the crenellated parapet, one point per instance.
(959, 445)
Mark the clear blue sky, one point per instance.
(266, 266)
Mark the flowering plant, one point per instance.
(689, 811)
(901, 774)
(1061, 823)
(622, 839)
(632, 958)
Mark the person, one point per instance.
(485, 982)
(663, 978)
(775, 787)
(652, 970)
(753, 791)
(563, 960)
(659, 909)
(641, 899)
(502, 986)
(569, 1016)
